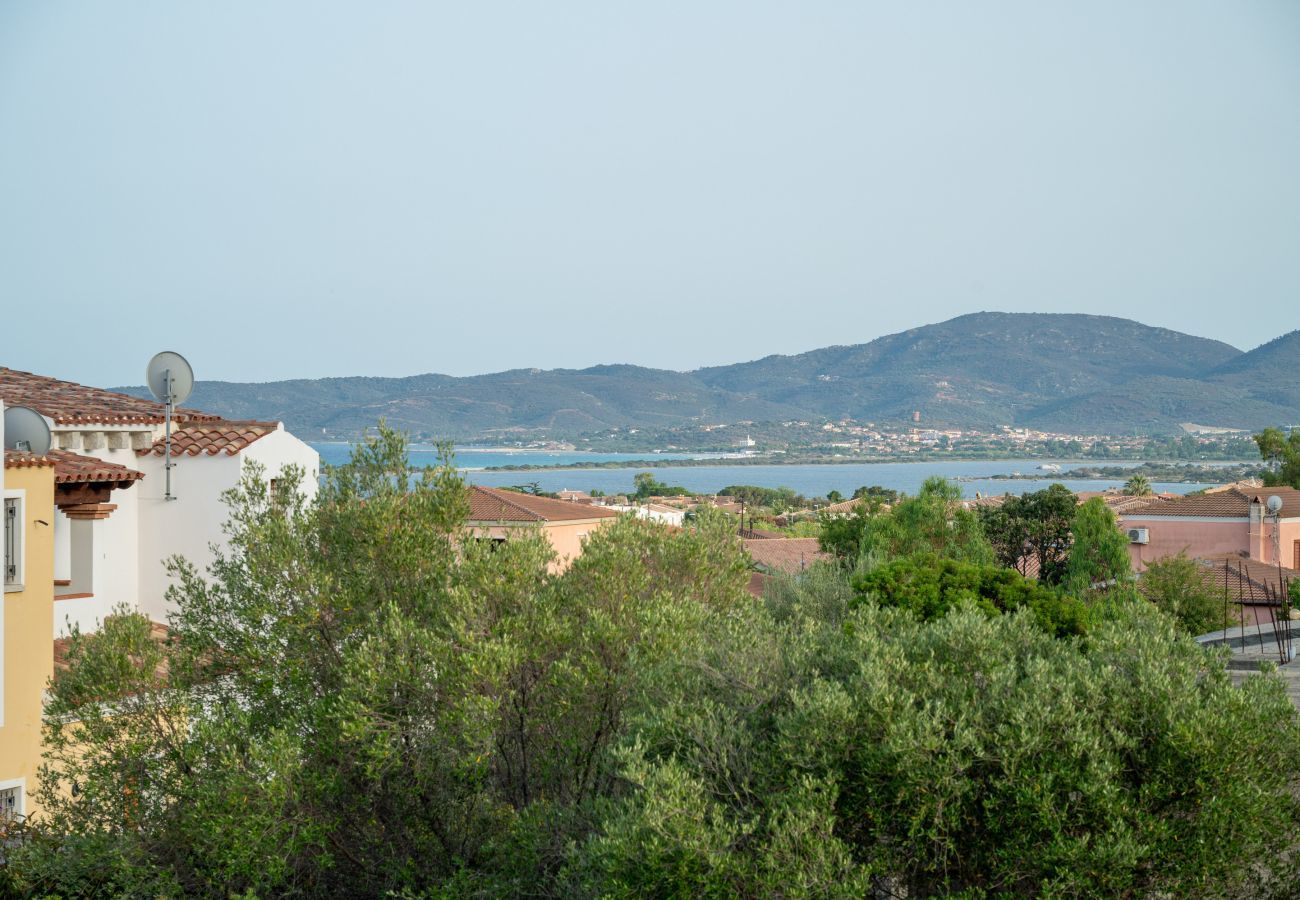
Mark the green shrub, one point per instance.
(930, 587)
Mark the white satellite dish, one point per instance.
(170, 379)
(1274, 505)
(26, 430)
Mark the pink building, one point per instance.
(1226, 522)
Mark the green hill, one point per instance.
(1061, 372)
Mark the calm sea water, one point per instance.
(480, 458)
(809, 480)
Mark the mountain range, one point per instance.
(1056, 372)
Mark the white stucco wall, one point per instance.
(62, 547)
(146, 529)
(185, 526)
(189, 525)
(86, 613)
(281, 449)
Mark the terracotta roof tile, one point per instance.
(1122, 503)
(1245, 580)
(211, 438)
(69, 403)
(71, 468)
(1233, 503)
(984, 500)
(495, 505)
(790, 555)
(843, 508)
(15, 459)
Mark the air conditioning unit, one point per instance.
(1138, 536)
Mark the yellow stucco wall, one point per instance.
(28, 633)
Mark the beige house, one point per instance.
(39, 492)
(26, 625)
(499, 515)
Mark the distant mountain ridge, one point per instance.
(1059, 372)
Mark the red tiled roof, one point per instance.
(71, 468)
(494, 505)
(15, 459)
(791, 555)
(69, 403)
(1245, 580)
(1233, 503)
(843, 508)
(1123, 503)
(984, 500)
(211, 438)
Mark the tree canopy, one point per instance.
(1032, 531)
(1099, 552)
(648, 486)
(1282, 453)
(932, 522)
(360, 698)
(1138, 486)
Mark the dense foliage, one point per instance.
(931, 587)
(360, 699)
(1282, 453)
(1183, 589)
(1031, 532)
(1098, 552)
(931, 522)
(876, 492)
(648, 486)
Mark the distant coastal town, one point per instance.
(847, 441)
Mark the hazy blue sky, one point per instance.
(298, 189)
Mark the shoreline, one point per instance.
(1200, 466)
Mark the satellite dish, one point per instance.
(26, 430)
(1274, 505)
(171, 379)
(171, 364)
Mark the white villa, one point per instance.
(113, 526)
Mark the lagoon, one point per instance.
(811, 480)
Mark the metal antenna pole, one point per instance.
(167, 442)
(1284, 598)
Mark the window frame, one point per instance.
(17, 530)
(20, 808)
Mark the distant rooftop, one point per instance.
(1233, 503)
(789, 555)
(489, 505)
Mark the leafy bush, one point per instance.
(930, 587)
(359, 699)
(1179, 586)
(930, 522)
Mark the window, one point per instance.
(11, 802)
(13, 542)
